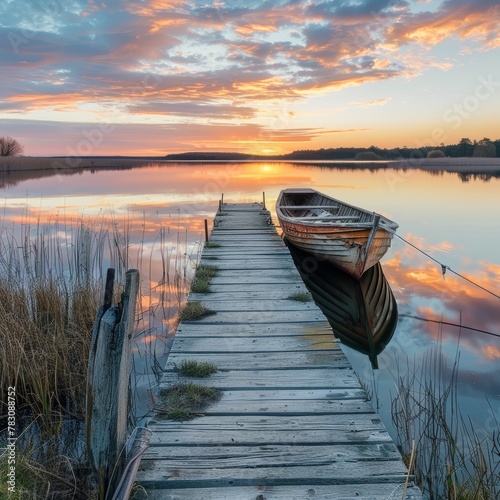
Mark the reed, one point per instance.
(453, 458)
(56, 477)
(45, 333)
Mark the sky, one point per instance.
(153, 77)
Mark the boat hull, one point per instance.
(342, 247)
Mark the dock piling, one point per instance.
(108, 383)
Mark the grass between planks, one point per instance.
(185, 400)
(300, 297)
(198, 369)
(212, 244)
(203, 277)
(194, 310)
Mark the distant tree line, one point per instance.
(483, 148)
(465, 147)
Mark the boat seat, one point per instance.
(307, 207)
(351, 218)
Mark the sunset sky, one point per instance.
(154, 77)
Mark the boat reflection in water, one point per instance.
(362, 313)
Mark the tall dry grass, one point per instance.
(45, 332)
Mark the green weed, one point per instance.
(183, 401)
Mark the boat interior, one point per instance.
(314, 207)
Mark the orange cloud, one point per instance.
(491, 352)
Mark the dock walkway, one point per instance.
(293, 421)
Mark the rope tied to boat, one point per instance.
(445, 268)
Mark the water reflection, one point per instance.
(156, 207)
(362, 313)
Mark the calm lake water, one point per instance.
(453, 219)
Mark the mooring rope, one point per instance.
(445, 268)
(441, 322)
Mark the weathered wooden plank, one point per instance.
(255, 274)
(245, 295)
(240, 223)
(296, 396)
(255, 229)
(262, 279)
(252, 344)
(268, 290)
(280, 278)
(253, 430)
(268, 233)
(273, 455)
(266, 360)
(226, 229)
(251, 264)
(284, 402)
(276, 306)
(248, 247)
(165, 473)
(240, 207)
(236, 223)
(263, 316)
(307, 491)
(277, 379)
(303, 329)
(225, 253)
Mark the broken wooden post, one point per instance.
(264, 200)
(108, 384)
(206, 230)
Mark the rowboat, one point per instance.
(349, 237)
(363, 312)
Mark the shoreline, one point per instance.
(68, 165)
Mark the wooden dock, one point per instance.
(293, 421)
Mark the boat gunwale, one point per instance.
(384, 223)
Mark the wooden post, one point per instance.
(206, 230)
(222, 198)
(264, 200)
(220, 206)
(108, 381)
